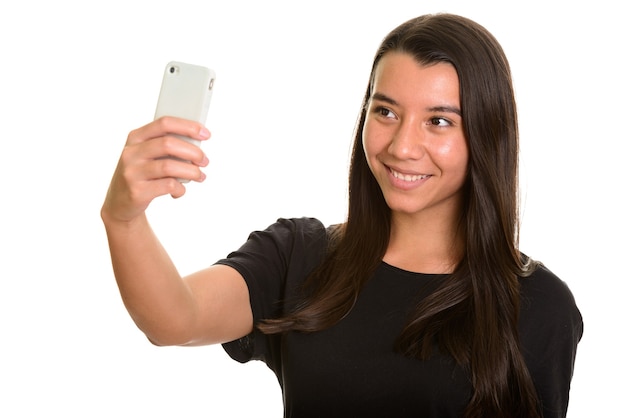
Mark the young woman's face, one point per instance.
(413, 136)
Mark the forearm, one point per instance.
(159, 301)
(153, 292)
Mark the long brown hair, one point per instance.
(473, 313)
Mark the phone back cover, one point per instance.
(185, 91)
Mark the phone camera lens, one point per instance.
(172, 70)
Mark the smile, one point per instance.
(409, 177)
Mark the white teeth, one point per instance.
(408, 177)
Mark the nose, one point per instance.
(408, 141)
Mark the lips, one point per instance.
(408, 177)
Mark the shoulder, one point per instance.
(300, 228)
(548, 304)
(545, 287)
(285, 233)
(280, 246)
(294, 235)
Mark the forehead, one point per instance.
(401, 75)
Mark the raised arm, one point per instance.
(210, 306)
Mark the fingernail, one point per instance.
(204, 133)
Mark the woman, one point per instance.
(420, 304)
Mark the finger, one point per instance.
(171, 168)
(138, 154)
(172, 146)
(170, 186)
(142, 193)
(126, 199)
(169, 125)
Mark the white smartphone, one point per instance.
(186, 92)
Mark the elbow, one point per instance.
(158, 343)
(173, 335)
(168, 340)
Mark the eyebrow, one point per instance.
(446, 109)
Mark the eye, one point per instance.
(385, 112)
(440, 122)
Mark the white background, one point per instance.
(77, 76)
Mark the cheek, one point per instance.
(368, 143)
(454, 152)
(375, 138)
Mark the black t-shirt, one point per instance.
(351, 370)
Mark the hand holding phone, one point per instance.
(186, 92)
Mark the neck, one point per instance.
(424, 244)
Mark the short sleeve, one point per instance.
(274, 263)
